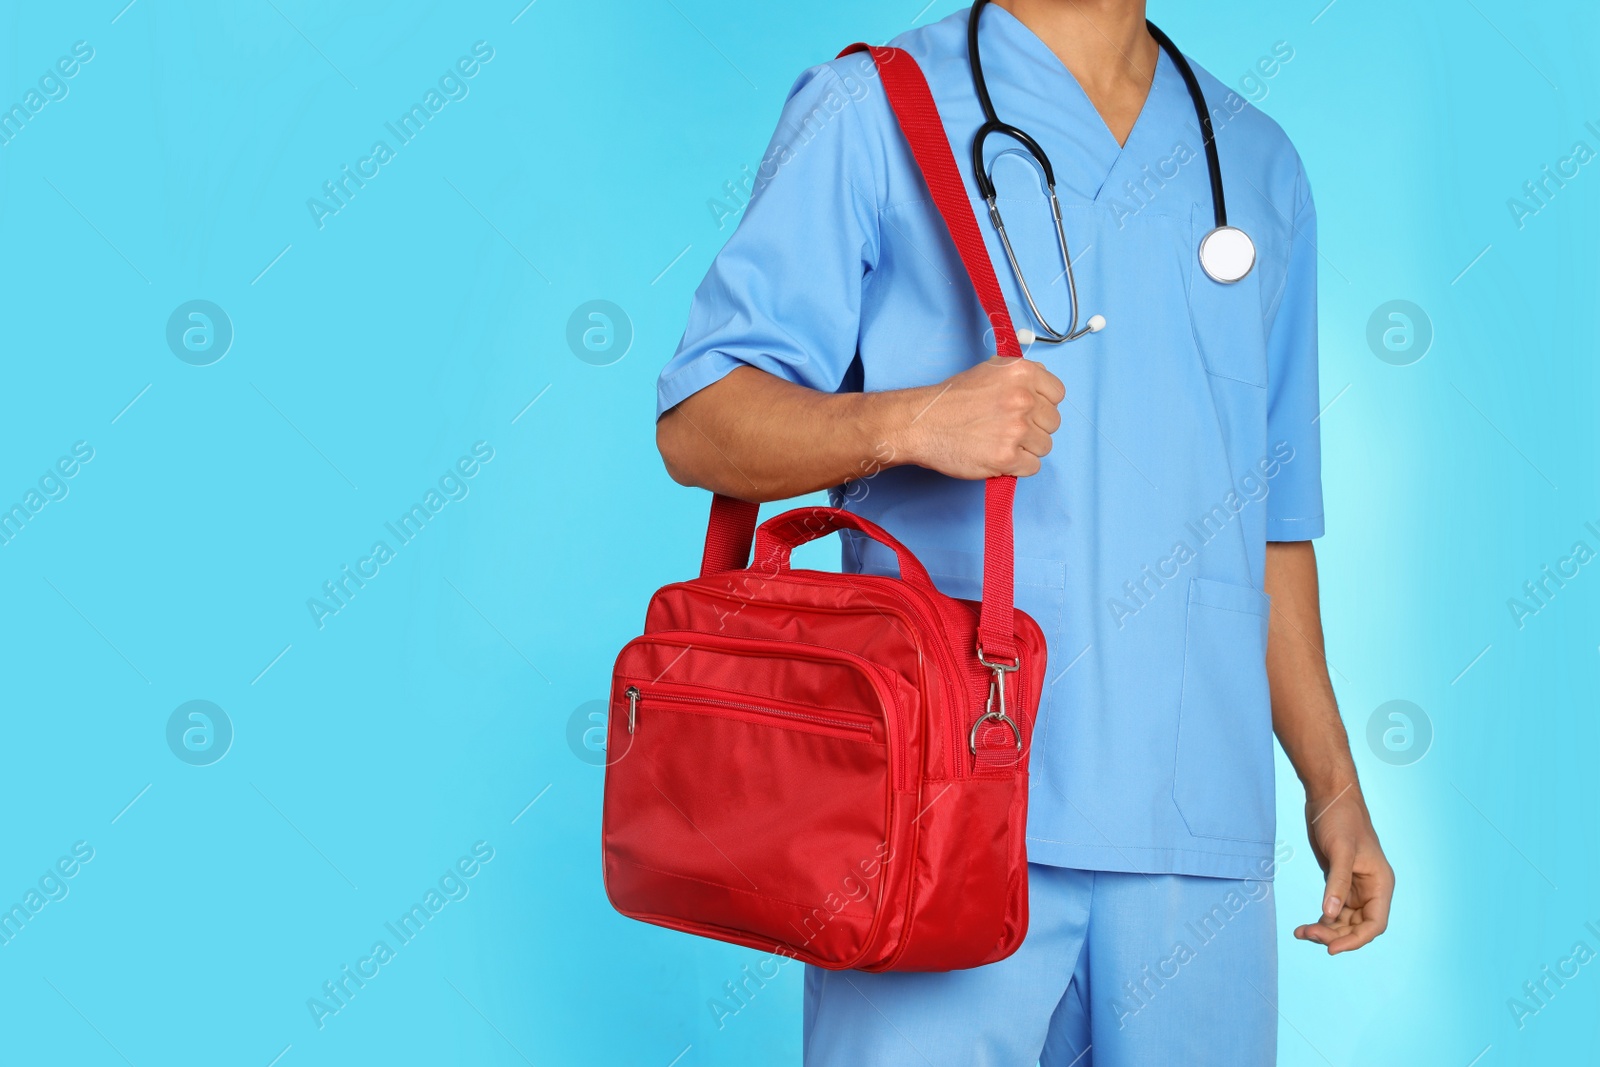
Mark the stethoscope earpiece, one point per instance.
(1096, 323)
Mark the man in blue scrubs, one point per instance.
(1170, 482)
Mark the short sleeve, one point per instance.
(1294, 506)
(784, 294)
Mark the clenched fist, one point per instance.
(992, 419)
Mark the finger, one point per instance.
(1375, 905)
(1049, 386)
(1036, 441)
(1362, 933)
(1046, 417)
(1316, 932)
(1027, 466)
(1337, 891)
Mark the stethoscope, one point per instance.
(1226, 252)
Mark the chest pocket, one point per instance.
(1228, 320)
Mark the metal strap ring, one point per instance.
(999, 716)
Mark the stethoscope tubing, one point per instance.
(992, 123)
(986, 188)
(1208, 135)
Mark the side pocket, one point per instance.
(1226, 318)
(1222, 779)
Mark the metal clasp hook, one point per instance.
(997, 685)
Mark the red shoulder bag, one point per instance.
(833, 767)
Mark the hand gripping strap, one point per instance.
(733, 521)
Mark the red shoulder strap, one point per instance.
(733, 521)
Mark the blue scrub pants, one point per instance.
(1117, 970)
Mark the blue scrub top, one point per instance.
(1188, 438)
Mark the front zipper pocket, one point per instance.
(756, 783)
(645, 698)
(944, 677)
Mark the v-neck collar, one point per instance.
(1006, 30)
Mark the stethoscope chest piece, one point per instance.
(1227, 254)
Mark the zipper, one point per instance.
(635, 697)
(879, 678)
(932, 622)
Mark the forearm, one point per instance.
(1305, 714)
(757, 437)
(1359, 881)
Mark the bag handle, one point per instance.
(780, 535)
(733, 521)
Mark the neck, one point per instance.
(1103, 43)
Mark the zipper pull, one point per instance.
(632, 693)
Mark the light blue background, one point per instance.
(434, 709)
